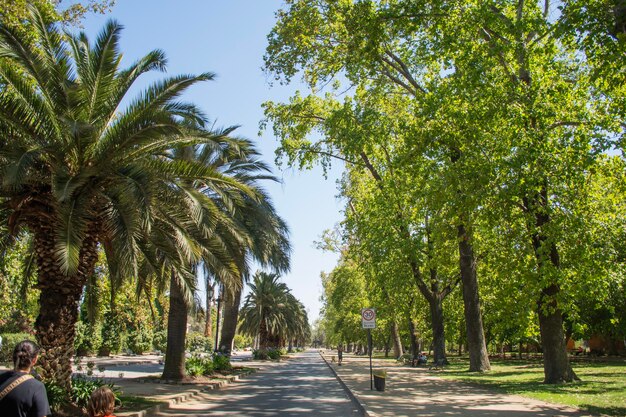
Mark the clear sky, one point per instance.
(228, 38)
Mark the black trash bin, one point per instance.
(379, 383)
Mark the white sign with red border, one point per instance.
(368, 318)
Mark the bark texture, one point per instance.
(231, 317)
(476, 345)
(397, 340)
(174, 368)
(557, 368)
(59, 302)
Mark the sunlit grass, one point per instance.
(602, 389)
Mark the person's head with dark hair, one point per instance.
(25, 355)
(101, 403)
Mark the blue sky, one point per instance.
(228, 38)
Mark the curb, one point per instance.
(189, 395)
(361, 405)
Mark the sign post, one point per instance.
(368, 321)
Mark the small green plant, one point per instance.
(196, 365)
(260, 354)
(197, 342)
(264, 354)
(90, 366)
(56, 396)
(101, 368)
(221, 363)
(83, 387)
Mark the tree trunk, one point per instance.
(397, 340)
(415, 347)
(556, 366)
(478, 355)
(439, 337)
(174, 368)
(263, 336)
(229, 323)
(59, 302)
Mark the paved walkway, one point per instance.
(297, 387)
(419, 392)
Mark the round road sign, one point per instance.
(368, 314)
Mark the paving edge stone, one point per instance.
(189, 395)
(362, 407)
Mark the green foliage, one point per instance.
(265, 354)
(273, 313)
(197, 342)
(83, 387)
(197, 365)
(221, 363)
(242, 341)
(56, 395)
(80, 392)
(88, 339)
(9, 341)
(112, 334)
(159, 341)
(499, 120)
(140, 338)
(260, 354)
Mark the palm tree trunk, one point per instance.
(231, 316)
(174, 368)
(59, 302)
(263, 335)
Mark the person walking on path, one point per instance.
(339, 354)
(101, 403)
(21, 395)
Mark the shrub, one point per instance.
(274, 353)
(271, 353)
(88, 338)
(197, 342)
(81, 391)
(241, 341)
(140, 339)
(221, 363)
(159, 341)
(260, 354)
(111, 335)
(83, 387)
(196, 365)
(9, 341)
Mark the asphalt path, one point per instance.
(298, 387)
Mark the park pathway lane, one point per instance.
(299, 387)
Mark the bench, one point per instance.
(437, 365)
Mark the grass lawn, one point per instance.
(602, 389)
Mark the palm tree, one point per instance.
(272, 313)
(236, 223)
(80, 171)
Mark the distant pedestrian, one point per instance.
(21, 395)
(101, 403)
(339, 354)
